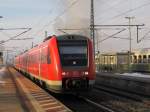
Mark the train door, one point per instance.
(43, 62)
(39, 62)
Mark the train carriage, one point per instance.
(62, 63)
(141, 60)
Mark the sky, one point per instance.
(51, 15)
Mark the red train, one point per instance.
(61, 63)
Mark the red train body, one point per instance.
(61, 63)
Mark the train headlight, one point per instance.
(63, 73)
(86, 73)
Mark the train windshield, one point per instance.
(73, 49)
(73, 53)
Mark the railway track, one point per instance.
(80, 103)
(104, 108)
(122, 93)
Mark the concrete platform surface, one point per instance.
(19, 94)
(9, 99)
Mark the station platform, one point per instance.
(19, 94)
(132, 82)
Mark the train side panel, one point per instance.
(54, 68)
(45, 63)
(91, 68)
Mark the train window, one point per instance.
(73, 49)
(122, 59)
(104, 59)
(37, 58)
(45, 56)
(73, 55)
(135, 59)
(48, 57)
(148, 58)
(131, 59)
(32, 59)
(109, 60)
(139, 59)
(29, 59)
(144, 59)
(112, 60)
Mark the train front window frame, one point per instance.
(73, 53)
(73, 49)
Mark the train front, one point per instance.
(77, 62)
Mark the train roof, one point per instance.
(60, 37)
(67, 37)
(71, 37)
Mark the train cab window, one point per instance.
(45, 56)
(139, 59)
(144, 59)
(73, 53)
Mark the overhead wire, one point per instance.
(112, 7)
(111, 35)
(61, 14)
(51, 21)
(128, 11)
(4, 41)
(144, 37)
(42, 19)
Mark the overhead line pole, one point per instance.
(130, 42)
(92, 26)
